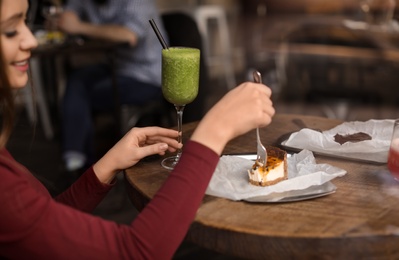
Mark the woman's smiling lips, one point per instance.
(21, 65)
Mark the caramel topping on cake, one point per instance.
(271, 164)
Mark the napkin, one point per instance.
(230, 179)
(375, 149)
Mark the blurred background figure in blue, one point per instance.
(89, 89)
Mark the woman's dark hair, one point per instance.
(6, 100)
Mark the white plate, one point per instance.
(329, 154)
(297, 195)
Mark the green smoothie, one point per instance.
(180, 74)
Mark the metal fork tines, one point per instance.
(261, 154)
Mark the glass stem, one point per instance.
(179, 110)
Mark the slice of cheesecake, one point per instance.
(273, 172)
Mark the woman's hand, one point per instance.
(135, 145)
(242, 109)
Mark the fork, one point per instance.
(261, 154)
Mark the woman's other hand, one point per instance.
(135, 145)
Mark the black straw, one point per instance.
(159, 35)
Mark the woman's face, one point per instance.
(16, 40)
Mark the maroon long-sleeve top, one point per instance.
(33, 225)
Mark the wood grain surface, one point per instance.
(359, 221)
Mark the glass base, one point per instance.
(170, 162)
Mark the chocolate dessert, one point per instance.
(354, 138)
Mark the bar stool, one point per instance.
(37, 95)
(203, 14)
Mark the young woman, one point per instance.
(33, 225)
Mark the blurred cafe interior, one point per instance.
(339, 56)
(329, 58)
(336, 55)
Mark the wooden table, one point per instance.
(360, 220)
(320, 35)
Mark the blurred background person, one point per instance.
(89, 89)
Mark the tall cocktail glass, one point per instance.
(180, 79)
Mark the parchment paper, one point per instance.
(230, 179)
(375, 150)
